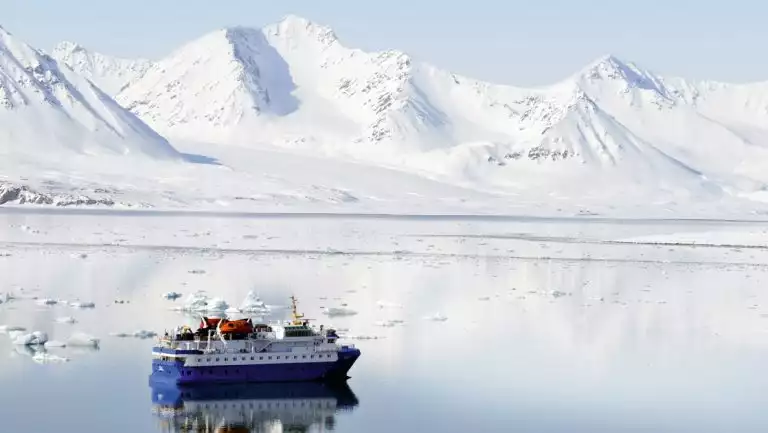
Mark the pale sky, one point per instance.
(532, 42)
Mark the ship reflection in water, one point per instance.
(251, 408)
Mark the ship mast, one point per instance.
(295, 313)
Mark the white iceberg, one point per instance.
(253, 304)
(66, 320)
(55, 343)
(217, 304)
(36, 338)
(197, 301)
(83, 340)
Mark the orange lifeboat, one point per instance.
(241, 326)
(226, 326)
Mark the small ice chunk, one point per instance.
(55, 343)
(484, 298)
(121, 334)
(172, 296)
(389, 323)
(143, 334)
(387, 304)
(82, 304)
(48, 358)
(197, 271)
(36, 338)
(10, 328)
(339, 311)
(66, 320)
(83, 340)
(47, 301)
(437, 317)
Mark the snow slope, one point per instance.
(48, 112)
(611, 125)
(111, 74)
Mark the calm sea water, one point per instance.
(604, 341)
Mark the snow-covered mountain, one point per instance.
(111, 74)
(294, 84)
(48, 112)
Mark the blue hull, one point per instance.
(173, 372)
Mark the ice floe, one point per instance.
(172, 296)
(55, 343)
(48, 358)
(83, 340)
(66, 320)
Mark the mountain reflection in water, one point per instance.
(250, 408)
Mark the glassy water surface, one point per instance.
(464, 326)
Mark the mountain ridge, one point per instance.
(47, 109)
(295, 84)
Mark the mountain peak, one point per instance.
(68, 47)
(293, 27)
(611, 67)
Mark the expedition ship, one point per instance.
(223, 350)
